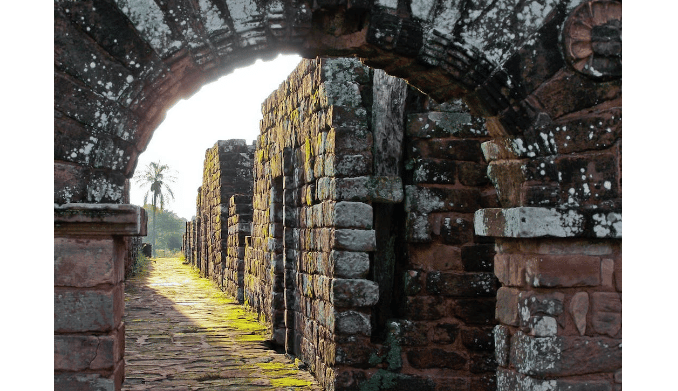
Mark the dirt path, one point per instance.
(182, 333)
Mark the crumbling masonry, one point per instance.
(362, 256)
(540, 80)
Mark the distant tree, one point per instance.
(155, 179)
(169, 228)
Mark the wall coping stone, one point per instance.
(534, 222)
(99, 219)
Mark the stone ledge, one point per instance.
(99, 219)
(534, 222)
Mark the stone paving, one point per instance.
(183, 333)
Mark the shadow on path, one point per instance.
(183, 333)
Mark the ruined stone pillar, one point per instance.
(89, 257)
(559, 306)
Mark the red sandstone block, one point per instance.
(88, 310)
(618, 274)
(87, 262)
(81, 352)
(435, 256)
(562, 270)
(509, 269)
(606, 312)
(507, 306)
(436, 358)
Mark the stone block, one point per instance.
(579, 307)
(478, 338)
(562, 271)
(424, 307)
(564, 356)
(445, 333)
(348, 165)
(354, 292)
(98, 310)
(418, 228)
(84, 382)
(461, 284)
(373, 188)
(453, 230)
(502, 344)
(508, 380)
(352, 322)
(472, 174)
(349, 264)
(412, 282)
(478, 257)
(88, 352)
(436, 124)
(87, 262)
(507, 306)
(445, 148)
(435, 358)
(475, 311)
(509, 269)
(348, 214)
(425, 200)
(354, 240)
(435, 256)
(528, 222)
(607, 273)
(434, 171)
(606, 311)
(482, 363)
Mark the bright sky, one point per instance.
(229, 108)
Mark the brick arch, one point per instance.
(120, 64)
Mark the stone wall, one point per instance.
(371, 254)
(362, 257)
(90, 251)
(227, 171)
(239, 227)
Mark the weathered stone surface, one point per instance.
(606, 310)
(81, 352)
(92, 310)
(475, 311)
(507, 306)
(352, 215)
(579, 307)
(86, 262)
(562, 271)
(354, 240)
(502, 344)
(564, 356)
(435, 358)
(354, 293)
(461, 284)
(349, 264)
(352, 322)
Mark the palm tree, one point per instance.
(156, 177)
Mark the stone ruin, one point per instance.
(540, 80)
(362, 257)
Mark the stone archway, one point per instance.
(545, 74)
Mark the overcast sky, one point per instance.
(229, 108)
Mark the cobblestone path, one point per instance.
(183, 333)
